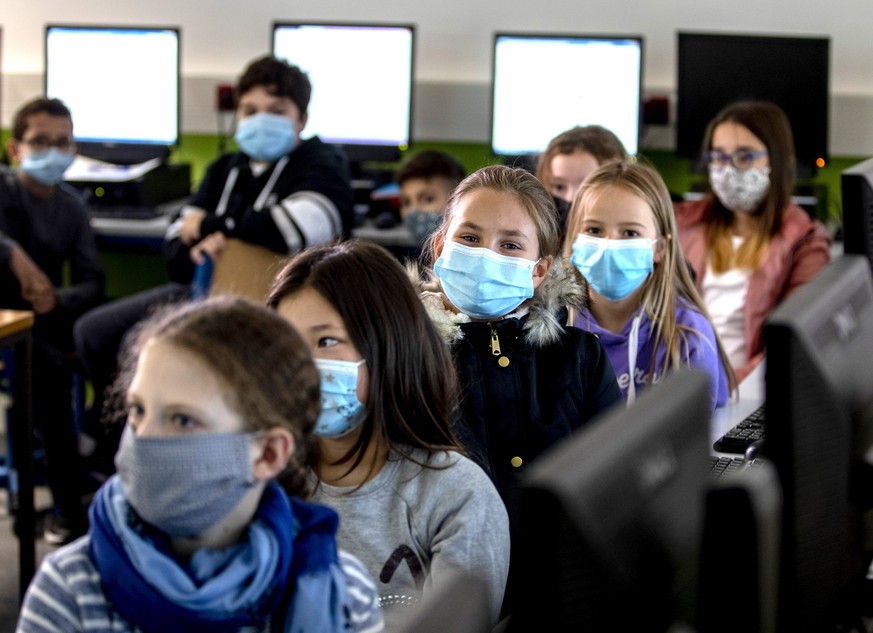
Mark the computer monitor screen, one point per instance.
(819, 394)
(121, 85)
(715, 69)
(361, 78)
(612, 518)
(856, 189)
(543, 85)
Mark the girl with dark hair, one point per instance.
(750, 246)
(412, 506)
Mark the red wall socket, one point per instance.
(224, 101)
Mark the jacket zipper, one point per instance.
(495, 342)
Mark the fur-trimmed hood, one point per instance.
(544, 310)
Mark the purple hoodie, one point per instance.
(701, 352)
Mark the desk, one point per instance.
(15, 326)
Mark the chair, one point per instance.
(243, 270)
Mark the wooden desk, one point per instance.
(15, 326)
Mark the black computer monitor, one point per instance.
(613, 517)
(121, 85)
(544, 84)
(715, 69)
(819, 394)
(856, 189)
(361, 78)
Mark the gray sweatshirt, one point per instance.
(411, 525)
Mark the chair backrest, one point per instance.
(245, 270)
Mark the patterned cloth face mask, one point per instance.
(614, 268)
(422, 224)
(341, 411)
(185, 485)
(740, 190)
(481, 283)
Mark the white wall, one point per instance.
(453, 47)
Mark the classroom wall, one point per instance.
(454, 48)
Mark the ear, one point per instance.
(12, 150)
(661, 246)
(276, 448)
(438, 242)
(303, 119)
(541, 269)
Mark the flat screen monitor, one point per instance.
(715, 69)
(613, 517)
(543, 85)
(856, 190)
(361, 78)
(121, 85)
(818, 407)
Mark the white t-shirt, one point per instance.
(724, 295)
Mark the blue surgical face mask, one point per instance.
(185, 485)
(614, 268)
(341, 411)
(481, 283)
(422, 224)
(46, 166)
(266, 136)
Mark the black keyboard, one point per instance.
(124, 212)
(726, 466)
(743, 435)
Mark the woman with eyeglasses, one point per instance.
(749, 244)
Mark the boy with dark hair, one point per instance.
(426, 181)
(44, 227)
(280, 192)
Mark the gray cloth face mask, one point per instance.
(185, 485)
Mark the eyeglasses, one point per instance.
(40, 143)
(741, 159)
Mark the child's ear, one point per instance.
(661, 247)
(12, 150)
(541, 269)
(277, 446)
(438, 242)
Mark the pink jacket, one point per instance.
(795, 255)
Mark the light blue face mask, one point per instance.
(341, 411)
(46, 166)
(481, 283)
(614, 268)
(422, 224)
(265, 136)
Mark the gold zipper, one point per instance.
(495, 342)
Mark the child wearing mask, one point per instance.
(194, 533)
(412, 507)
(644, 308)
(426, 181)
(497, 288)
(749, 245)
(570, 157)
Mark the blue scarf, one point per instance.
(285, 570)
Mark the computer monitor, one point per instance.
(612, 518)
(715, 69)
(856, 189)
(544, 84)
(361, 78)
(121, 85)
(819, 424)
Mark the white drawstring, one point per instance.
(633, 343)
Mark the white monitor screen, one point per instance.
(545, 84)
(121, 84)
(361, 80)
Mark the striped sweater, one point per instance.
(66, 596)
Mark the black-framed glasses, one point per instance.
(41, 143)
(741, 159)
